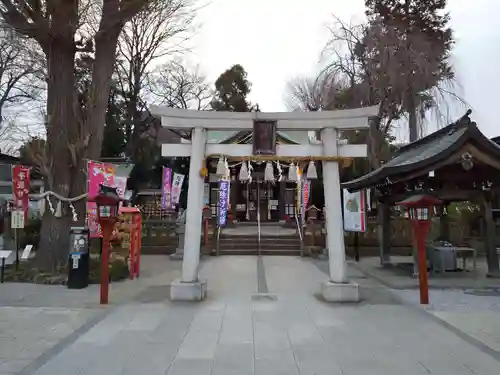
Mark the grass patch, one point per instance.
(118, 270)
(27, 273)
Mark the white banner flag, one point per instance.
(354, 211)
(177, 182)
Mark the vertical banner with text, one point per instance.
(21, 188)
(298, 196)
(98, 173)
(177, 182)
(166, 189)
(306, 185)
(223, 197)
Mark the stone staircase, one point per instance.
(274, 240)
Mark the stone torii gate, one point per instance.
(337, 288)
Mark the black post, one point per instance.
(2, 270)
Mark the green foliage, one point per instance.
(113, 141)
(421, 26)
(118, 271)
(361, 166)
(31, 150)
(83, 78)
(231, 91)
(415, 16)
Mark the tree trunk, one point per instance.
(412, 121)
(105, 55)
(61, 133)
(375, 142)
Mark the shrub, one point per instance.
(31, 233)
(118, 270)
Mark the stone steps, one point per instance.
(286, 252)
(269, 245)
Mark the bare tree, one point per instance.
(12, 137)
(20, 70)
(344, 60)
(371, 60)
(313, 93)
(176, 86)
(57, 28)
(159, 30)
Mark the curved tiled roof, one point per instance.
(427, 151)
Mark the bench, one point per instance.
(4, 254)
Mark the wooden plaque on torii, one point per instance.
(264, 138)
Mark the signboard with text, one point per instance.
(354, 211)
(264, 138)
(17, 219)
(21, 188)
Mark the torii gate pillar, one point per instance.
(337, 288)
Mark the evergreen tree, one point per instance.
(231, 90)
(113, 140)
(417, 35)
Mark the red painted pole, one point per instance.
(106, 234)
(205, 231)
(421, 228)
(132, 252)
(138, 244)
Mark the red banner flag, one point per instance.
(21, 188)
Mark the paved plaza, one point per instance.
(262, 316)
(37, 321)
(475, 313)
(465, 301)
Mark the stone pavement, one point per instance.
(39, 320)
(26, 333)
(263, 316)
(466, 301)
(398, 274)
(476, 313)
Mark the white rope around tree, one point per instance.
(59, 197)
(57, 212)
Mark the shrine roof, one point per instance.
(246, 137)
(424, 154)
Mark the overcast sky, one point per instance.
(276, 40)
